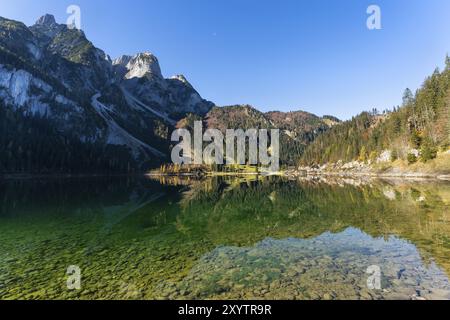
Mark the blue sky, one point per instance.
(313, 55)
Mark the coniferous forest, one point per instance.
(29, 144)
(415, 131)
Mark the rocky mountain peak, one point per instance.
(181, 78)
(143, 64)
(46, 20)
(122, 60)
(46, 28)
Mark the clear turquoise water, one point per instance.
(137, 238)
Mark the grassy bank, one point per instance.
(440, 166)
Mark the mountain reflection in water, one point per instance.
(251, 238)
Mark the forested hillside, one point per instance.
(297, 129)
(415, 131)
(30, 144)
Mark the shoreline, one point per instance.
(302, 174)
(25, 176)
(288, 174)
(406, 175)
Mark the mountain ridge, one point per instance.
(122, 110)
(51, 71)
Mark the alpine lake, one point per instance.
(224, 238)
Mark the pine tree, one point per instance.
(363, 154)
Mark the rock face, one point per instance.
(46, 20)
(141, 76)
(53, 71)
(385, 156)
(144, 65)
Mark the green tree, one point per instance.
(394, 155)
(363, 154)
(408, 97)
(428, 152)
(411, 158)
(416, 139)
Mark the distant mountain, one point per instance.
(115, 115)
(416, 131)
(298, 129)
